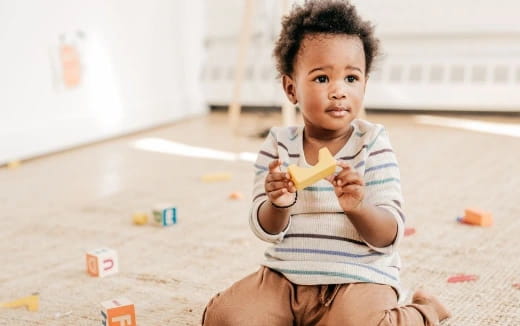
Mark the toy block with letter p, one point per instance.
(118, 312)
(102, 262)
(165, 215)
(303, 177)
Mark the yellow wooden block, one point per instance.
(303, 177)
(32, 303)
(14, 164)
(477, 217)
(140, 218)
(215, 177)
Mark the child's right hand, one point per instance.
(278, 185)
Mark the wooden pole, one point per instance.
(243, 45)
(288, 110)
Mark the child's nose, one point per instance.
(337, 91)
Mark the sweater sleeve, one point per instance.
(268, 152)
(382, 182)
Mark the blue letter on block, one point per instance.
(169, 216)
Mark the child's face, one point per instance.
(329, 80)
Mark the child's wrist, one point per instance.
(286, 206)
(355, 209)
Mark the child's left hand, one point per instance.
(348, 186)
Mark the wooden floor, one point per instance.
(57, 207)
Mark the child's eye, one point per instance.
(321, 79)
(351, 78)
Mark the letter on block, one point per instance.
(118, 312)
(165, 215)
(477, 217)
(102, 262)
(303, 177)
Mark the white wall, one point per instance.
(140, 64)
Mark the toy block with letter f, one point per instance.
(303, 177)
(102, 262)
(118, 312)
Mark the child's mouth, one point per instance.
(337, 112)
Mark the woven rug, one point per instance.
(57, 207)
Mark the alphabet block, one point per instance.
(118, 312)
(477, 217)
(102, 262)
(165, 215)
(303, 177)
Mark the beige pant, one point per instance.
(267, 298)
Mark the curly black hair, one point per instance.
(321, 16)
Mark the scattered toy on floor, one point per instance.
(476, 217)
(118, 312)
(303, 177)
(215, 177)
(164, 215)
(462, 278)
(140, 218)
(409, 231)
(102, 262)
(516, 286)
(236, 195)
(32, 302)
(14, 164)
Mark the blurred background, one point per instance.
(75, 72)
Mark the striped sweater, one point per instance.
(320, 245)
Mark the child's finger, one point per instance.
(292, 188)
(350, 178)
(343, 165)
(275, 185)
(352, 190)
(277, 193)
(274, 165)
(277, 176)
(330, 178)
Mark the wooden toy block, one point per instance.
(303, 177)
(140, 218)
(215, 177)
(477, 217)
(32, 302)
(14, 164)
(236, 195)
(165, 215)
(118, 312)
(102, 262)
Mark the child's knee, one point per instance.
(220, 312)
(213, 313)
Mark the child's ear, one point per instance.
(289, 88)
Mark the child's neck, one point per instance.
(313, 141)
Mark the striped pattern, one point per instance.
(320, 245)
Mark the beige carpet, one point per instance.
(55, 208)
